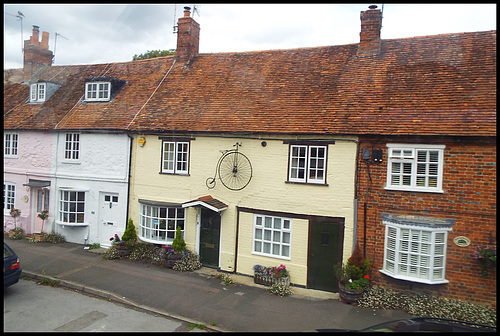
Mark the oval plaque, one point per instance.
(461, 241)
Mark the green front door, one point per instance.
(209, 238)
(325, 251)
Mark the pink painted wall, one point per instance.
(34, 160)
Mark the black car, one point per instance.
(422, 324)
(11, 266)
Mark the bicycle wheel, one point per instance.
(235, 170)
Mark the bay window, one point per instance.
(415, 248)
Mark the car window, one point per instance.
(7, 252)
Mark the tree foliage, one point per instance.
(153, 54)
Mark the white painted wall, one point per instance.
(103, 167)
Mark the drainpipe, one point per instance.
(129, 176)
(355, 219)
(236, 240)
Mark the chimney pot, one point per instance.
(373, 7)
(187, 11)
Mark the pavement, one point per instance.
(194, 297)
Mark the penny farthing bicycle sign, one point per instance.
(233, 168)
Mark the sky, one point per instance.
(103, 33)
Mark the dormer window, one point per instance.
(102, 89)
(38, 92)
(41, 91)
(98, 91)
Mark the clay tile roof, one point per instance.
(430, 85)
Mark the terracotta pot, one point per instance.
(349, 295)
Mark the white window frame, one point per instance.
(72, 146)
(72, 207)
(157, 224)
(9, 197)
(412, 167)
(10, 144)
(415, 253)
(38, 92)
(305, 165)
(97, 91)
(175, 157)
(271, 237)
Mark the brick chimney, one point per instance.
(369, 37)
(36, 54)
(188, 37)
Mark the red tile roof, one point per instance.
(431, 85)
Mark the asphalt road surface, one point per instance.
(29, 306)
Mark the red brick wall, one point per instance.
(469, 184)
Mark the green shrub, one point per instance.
(179, 245)
(130, 234)
(54, 238)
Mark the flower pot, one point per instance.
(350, 296)
(172, 259)
(122, 250)
(268, 280)
(36, 236)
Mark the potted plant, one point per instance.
(486, 257)
(130, 234)
(269, 276)
(16, 233)
(119, 245)
(175, 252)
(353, 277)
(43, 216)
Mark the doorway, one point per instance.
(209, 237)
(109, 214)
(325, 251)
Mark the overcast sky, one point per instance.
(92, 33)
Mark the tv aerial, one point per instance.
(20, 17)
(55, 43)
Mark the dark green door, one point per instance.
(325, 251)
(209, 238)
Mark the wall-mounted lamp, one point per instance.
(141, 141)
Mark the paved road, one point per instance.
(31, 307)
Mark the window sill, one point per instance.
(407, 278)
(156, 241)
(71, 162)
(270, 255)
(308, 183)
(436, 191)
(175, 174)
(63, 224)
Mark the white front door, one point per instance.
(109, 216)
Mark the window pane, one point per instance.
(285, 251)
(286, 238)
(258, 234)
